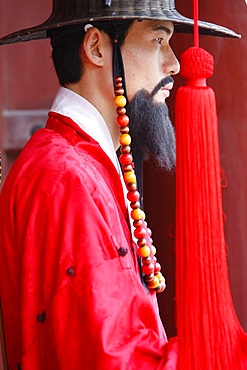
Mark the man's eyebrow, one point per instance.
(160, 27)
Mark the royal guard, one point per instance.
(78, 271)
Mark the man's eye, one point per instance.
(159, 39)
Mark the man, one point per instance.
(76, 291)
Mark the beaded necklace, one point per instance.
(151, 269)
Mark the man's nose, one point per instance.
(171, 65)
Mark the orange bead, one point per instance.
(154, 283)
(144, 252)
(120, 101)
(136, 214)
(129, 177)
(125, 139)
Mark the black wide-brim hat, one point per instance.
(72, 12)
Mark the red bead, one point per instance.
(148, 269)
(140, 233)
(157, 268)
(125, 159)
(133, 196)
(123, 120)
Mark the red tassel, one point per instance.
(209, 334)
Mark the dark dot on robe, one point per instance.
(122, 251)
(41, 317)
(71, 271)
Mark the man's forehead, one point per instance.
(155, 25)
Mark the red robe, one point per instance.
(71, 292)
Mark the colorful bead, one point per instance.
(141, 242)
(130, 177)
(119, 91)
(125, 149)
(147, 260)
(140, 232)
(148, 269)
(158, 275)
(157, 268)
(144, 251)
(125, 159)
(137, 223)
(125, 139)
(125, 130)
(149, 278)
(121, 111)
(122, 120)
(120, 101)
(131, 186)
(154, 283)
(137, 214)
(135, 205)
(127, 168)
(133, 196)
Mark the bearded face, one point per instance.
(151, 129)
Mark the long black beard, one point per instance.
(151, 129)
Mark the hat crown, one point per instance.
(109, 8)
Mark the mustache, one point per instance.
(165, 81)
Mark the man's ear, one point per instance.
(93, 46)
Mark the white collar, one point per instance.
(87, 117)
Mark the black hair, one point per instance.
(66, 44)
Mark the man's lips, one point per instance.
(166, 89)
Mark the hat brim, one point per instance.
(182, 25)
